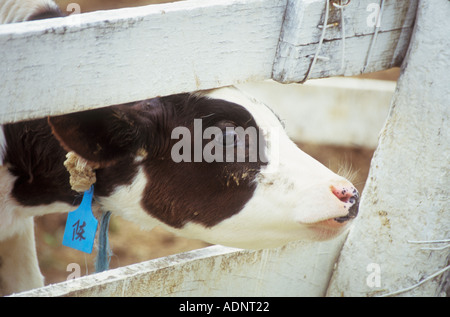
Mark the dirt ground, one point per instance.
(132, 245)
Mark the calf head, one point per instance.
(183, 162)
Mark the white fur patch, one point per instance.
(125, 201)
(19, 263)
(13, 11)
(12, 214)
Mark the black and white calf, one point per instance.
(279, 196)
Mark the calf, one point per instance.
(213, 165)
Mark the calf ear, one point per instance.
(107, 134)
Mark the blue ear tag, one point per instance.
(81, 225)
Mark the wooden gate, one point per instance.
(109, 57)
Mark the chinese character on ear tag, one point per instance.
(81, 225)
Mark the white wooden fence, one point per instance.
(110, 57)
(103, 58)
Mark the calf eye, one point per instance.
(228, 138)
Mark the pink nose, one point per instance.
(350, 197)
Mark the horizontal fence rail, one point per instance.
(102, 58)
(214, 271)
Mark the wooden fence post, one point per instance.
(406, 199)
(346, 46)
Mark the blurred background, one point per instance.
(335, 120)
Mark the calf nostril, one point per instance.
(346, 195)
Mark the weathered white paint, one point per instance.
(340, 111)
(110, 57)
(407, 196)
(298, 269)
(295, 52)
